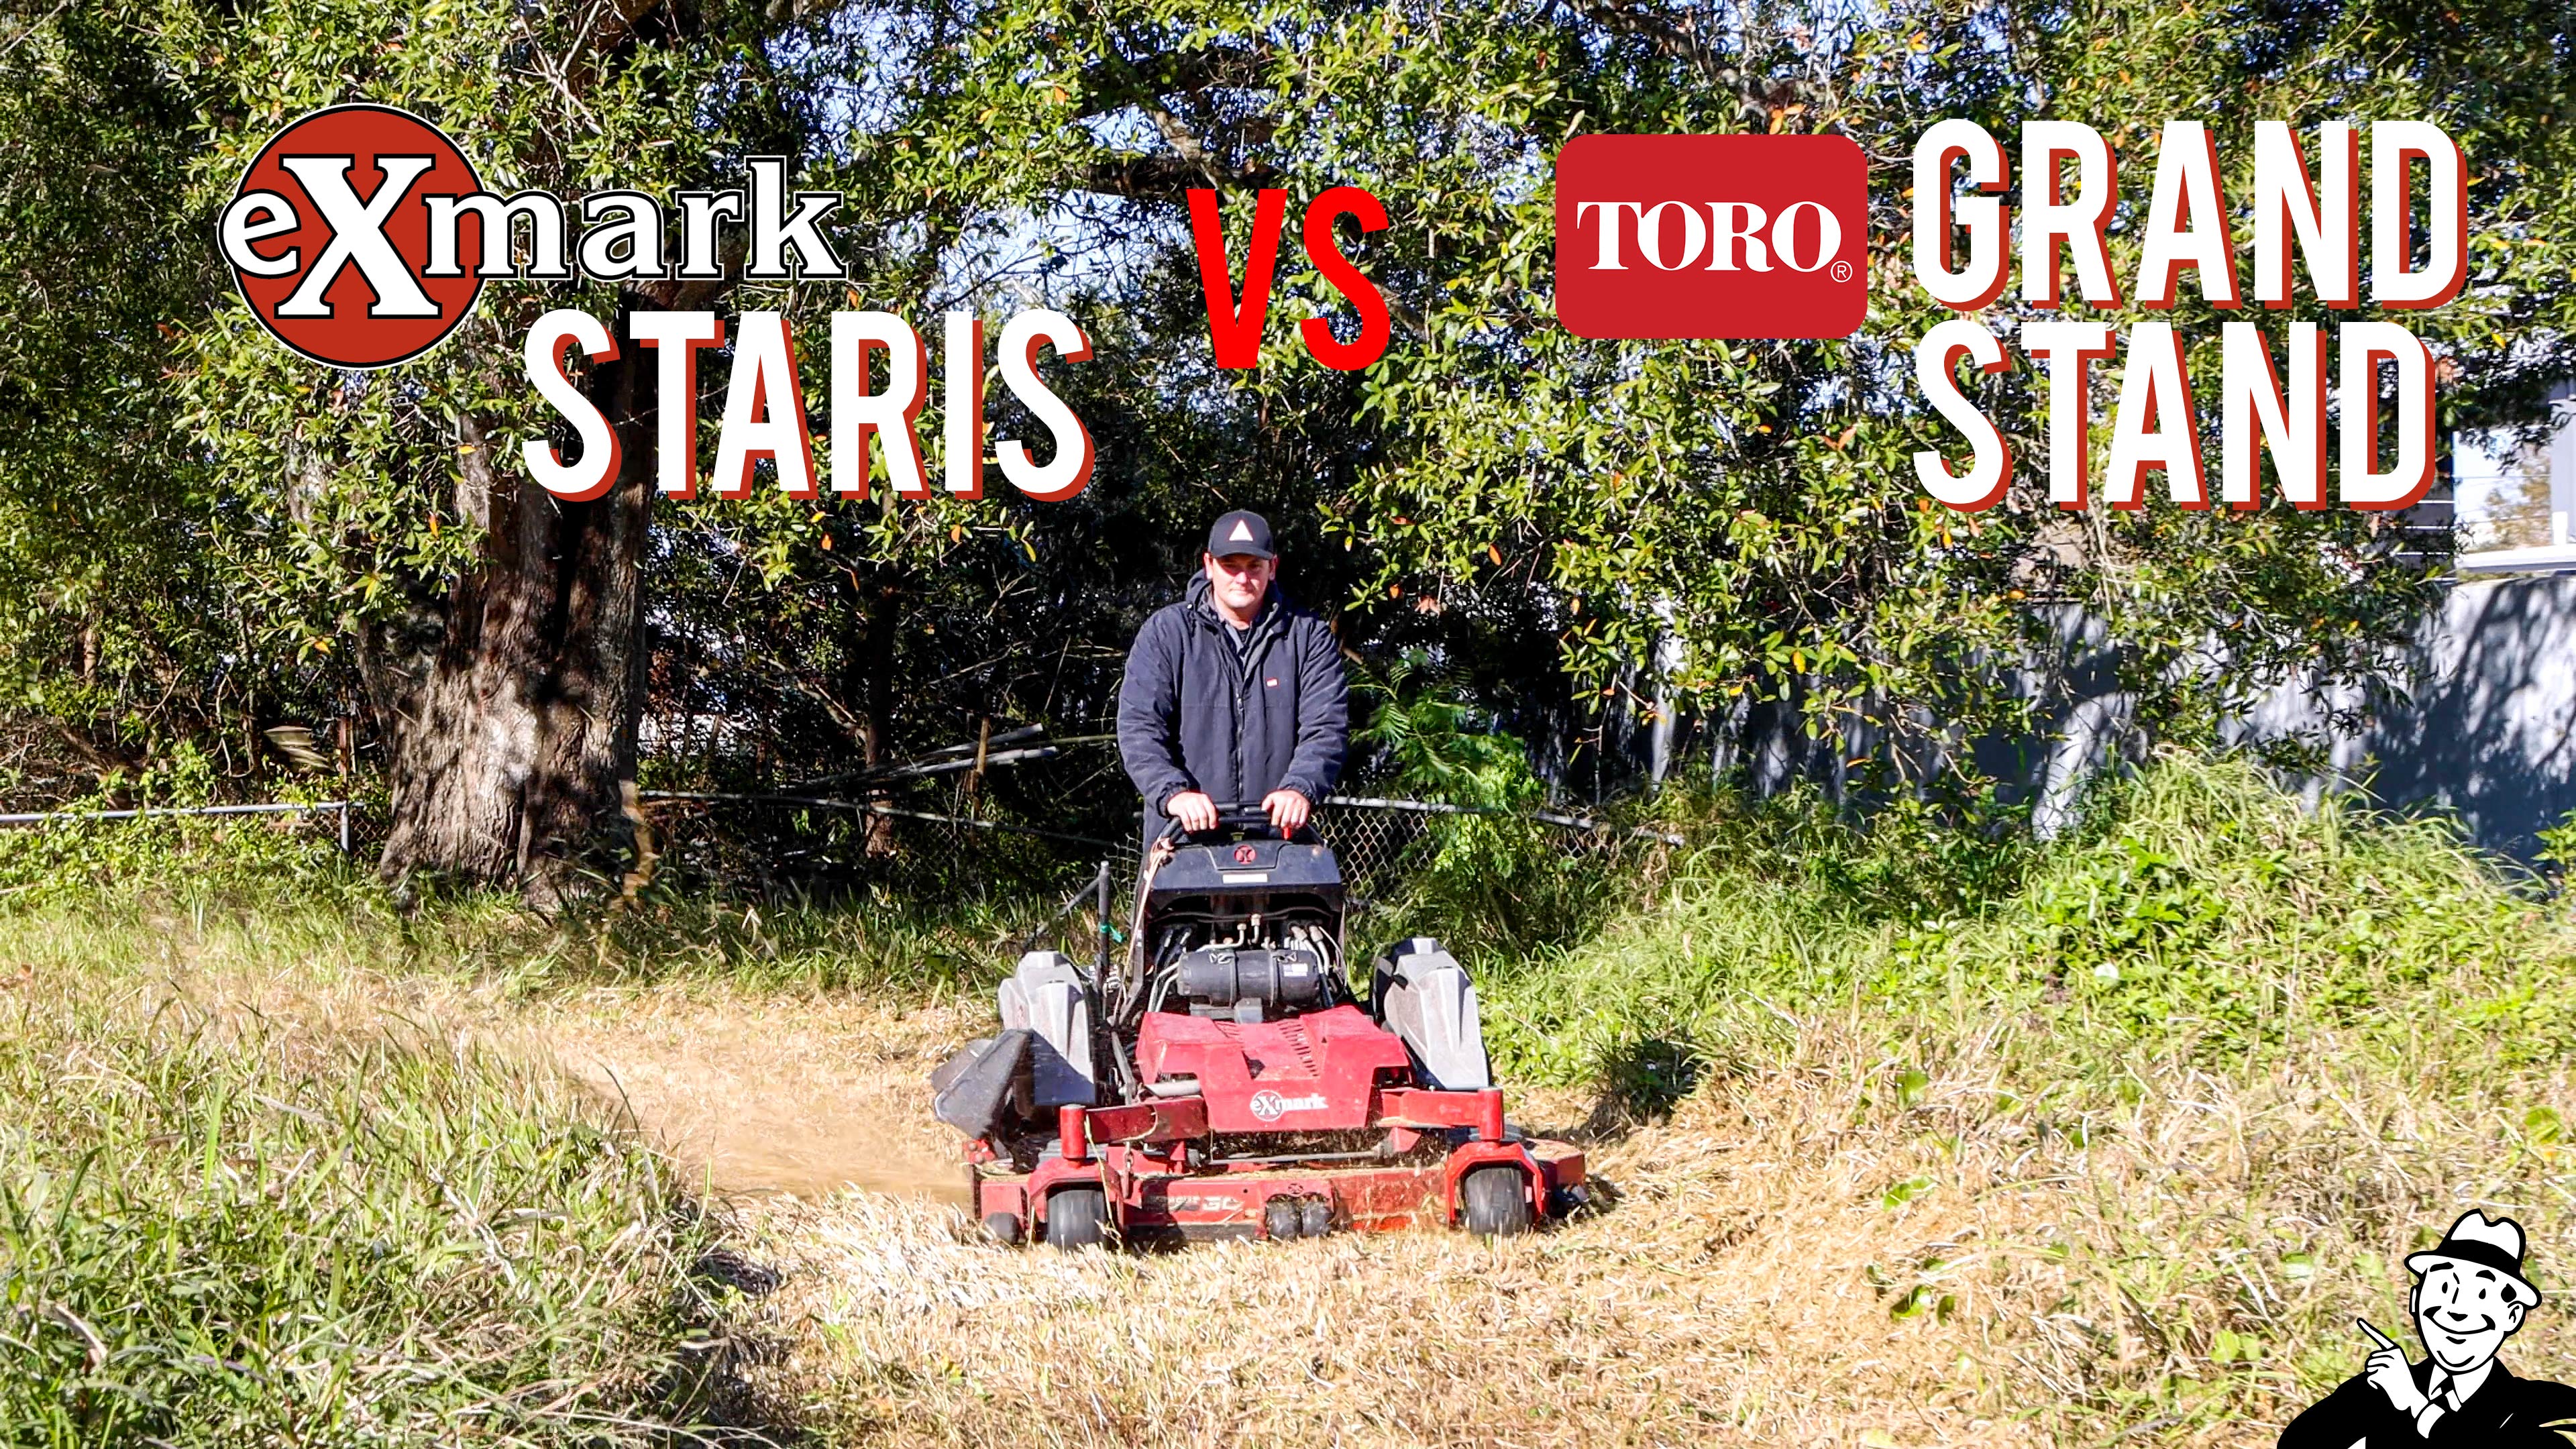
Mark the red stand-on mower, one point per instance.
(1224, 1081)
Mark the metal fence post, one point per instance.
(1100, 967)
(344, 827)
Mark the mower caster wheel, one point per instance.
(1004, 1228)
(1077, 1217)
(1495, 1200)
(1316, 1217)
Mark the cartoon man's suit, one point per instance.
(2470, 1295)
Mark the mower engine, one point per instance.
(1245, 981)
(1245, 932)
(1225, 1079)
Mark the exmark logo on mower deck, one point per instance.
(1269, 1106)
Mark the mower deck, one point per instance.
(1172, 1190)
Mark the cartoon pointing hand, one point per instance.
(2469, 1296)
(2389, 1372)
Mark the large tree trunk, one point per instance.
(518, 728)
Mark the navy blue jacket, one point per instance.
(1194, 714)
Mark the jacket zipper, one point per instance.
(1254, 649)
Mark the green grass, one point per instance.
(2198, 914)
(224, 1220)
(2191, 1079)
(222, 1228)
(328, 915)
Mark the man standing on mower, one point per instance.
(1233, 694)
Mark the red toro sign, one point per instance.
(1712, 236)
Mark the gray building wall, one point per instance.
(2487, 730)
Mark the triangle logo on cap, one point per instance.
(1242, 532)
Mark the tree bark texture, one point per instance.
(517, 724)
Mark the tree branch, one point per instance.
(1170, 178)
(1676, 38)
(1117, 82)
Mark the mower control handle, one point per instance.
(1235, 817)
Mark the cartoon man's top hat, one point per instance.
(2483, 1242)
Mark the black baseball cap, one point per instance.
(1241, 531)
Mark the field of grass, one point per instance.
(1912, 1138)
(242, 1211)
(2199, 917)
(2111, 1149)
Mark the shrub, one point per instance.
(69, 859)
(2198, 911)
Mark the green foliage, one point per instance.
(1921, 854)
(2558, 843)
(2200, 913)
(1482, 884)
(202, 530)
(338, 512)
(220, 1227)
(1756, 505)
(104, 587)
(1435, 744)
(70, 860)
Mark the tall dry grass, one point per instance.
(246, 1210)
(1832, 1247)
(1915, 1138)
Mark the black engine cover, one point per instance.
(1281, 980)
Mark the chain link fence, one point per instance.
(925, 846)
(819, 844)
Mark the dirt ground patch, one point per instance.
(750, 1095)
(762, 1096)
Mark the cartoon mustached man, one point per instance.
(2470, 1296)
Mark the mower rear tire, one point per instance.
(1077, 1217)
(1495, 1200)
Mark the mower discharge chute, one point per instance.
(1222, 1080)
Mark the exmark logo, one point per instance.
(329, 236)
(1712, 236)
(361, 235)
(1269, 1106)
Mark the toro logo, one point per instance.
(1712, 236)
(329, 236)
(1269, 1106)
